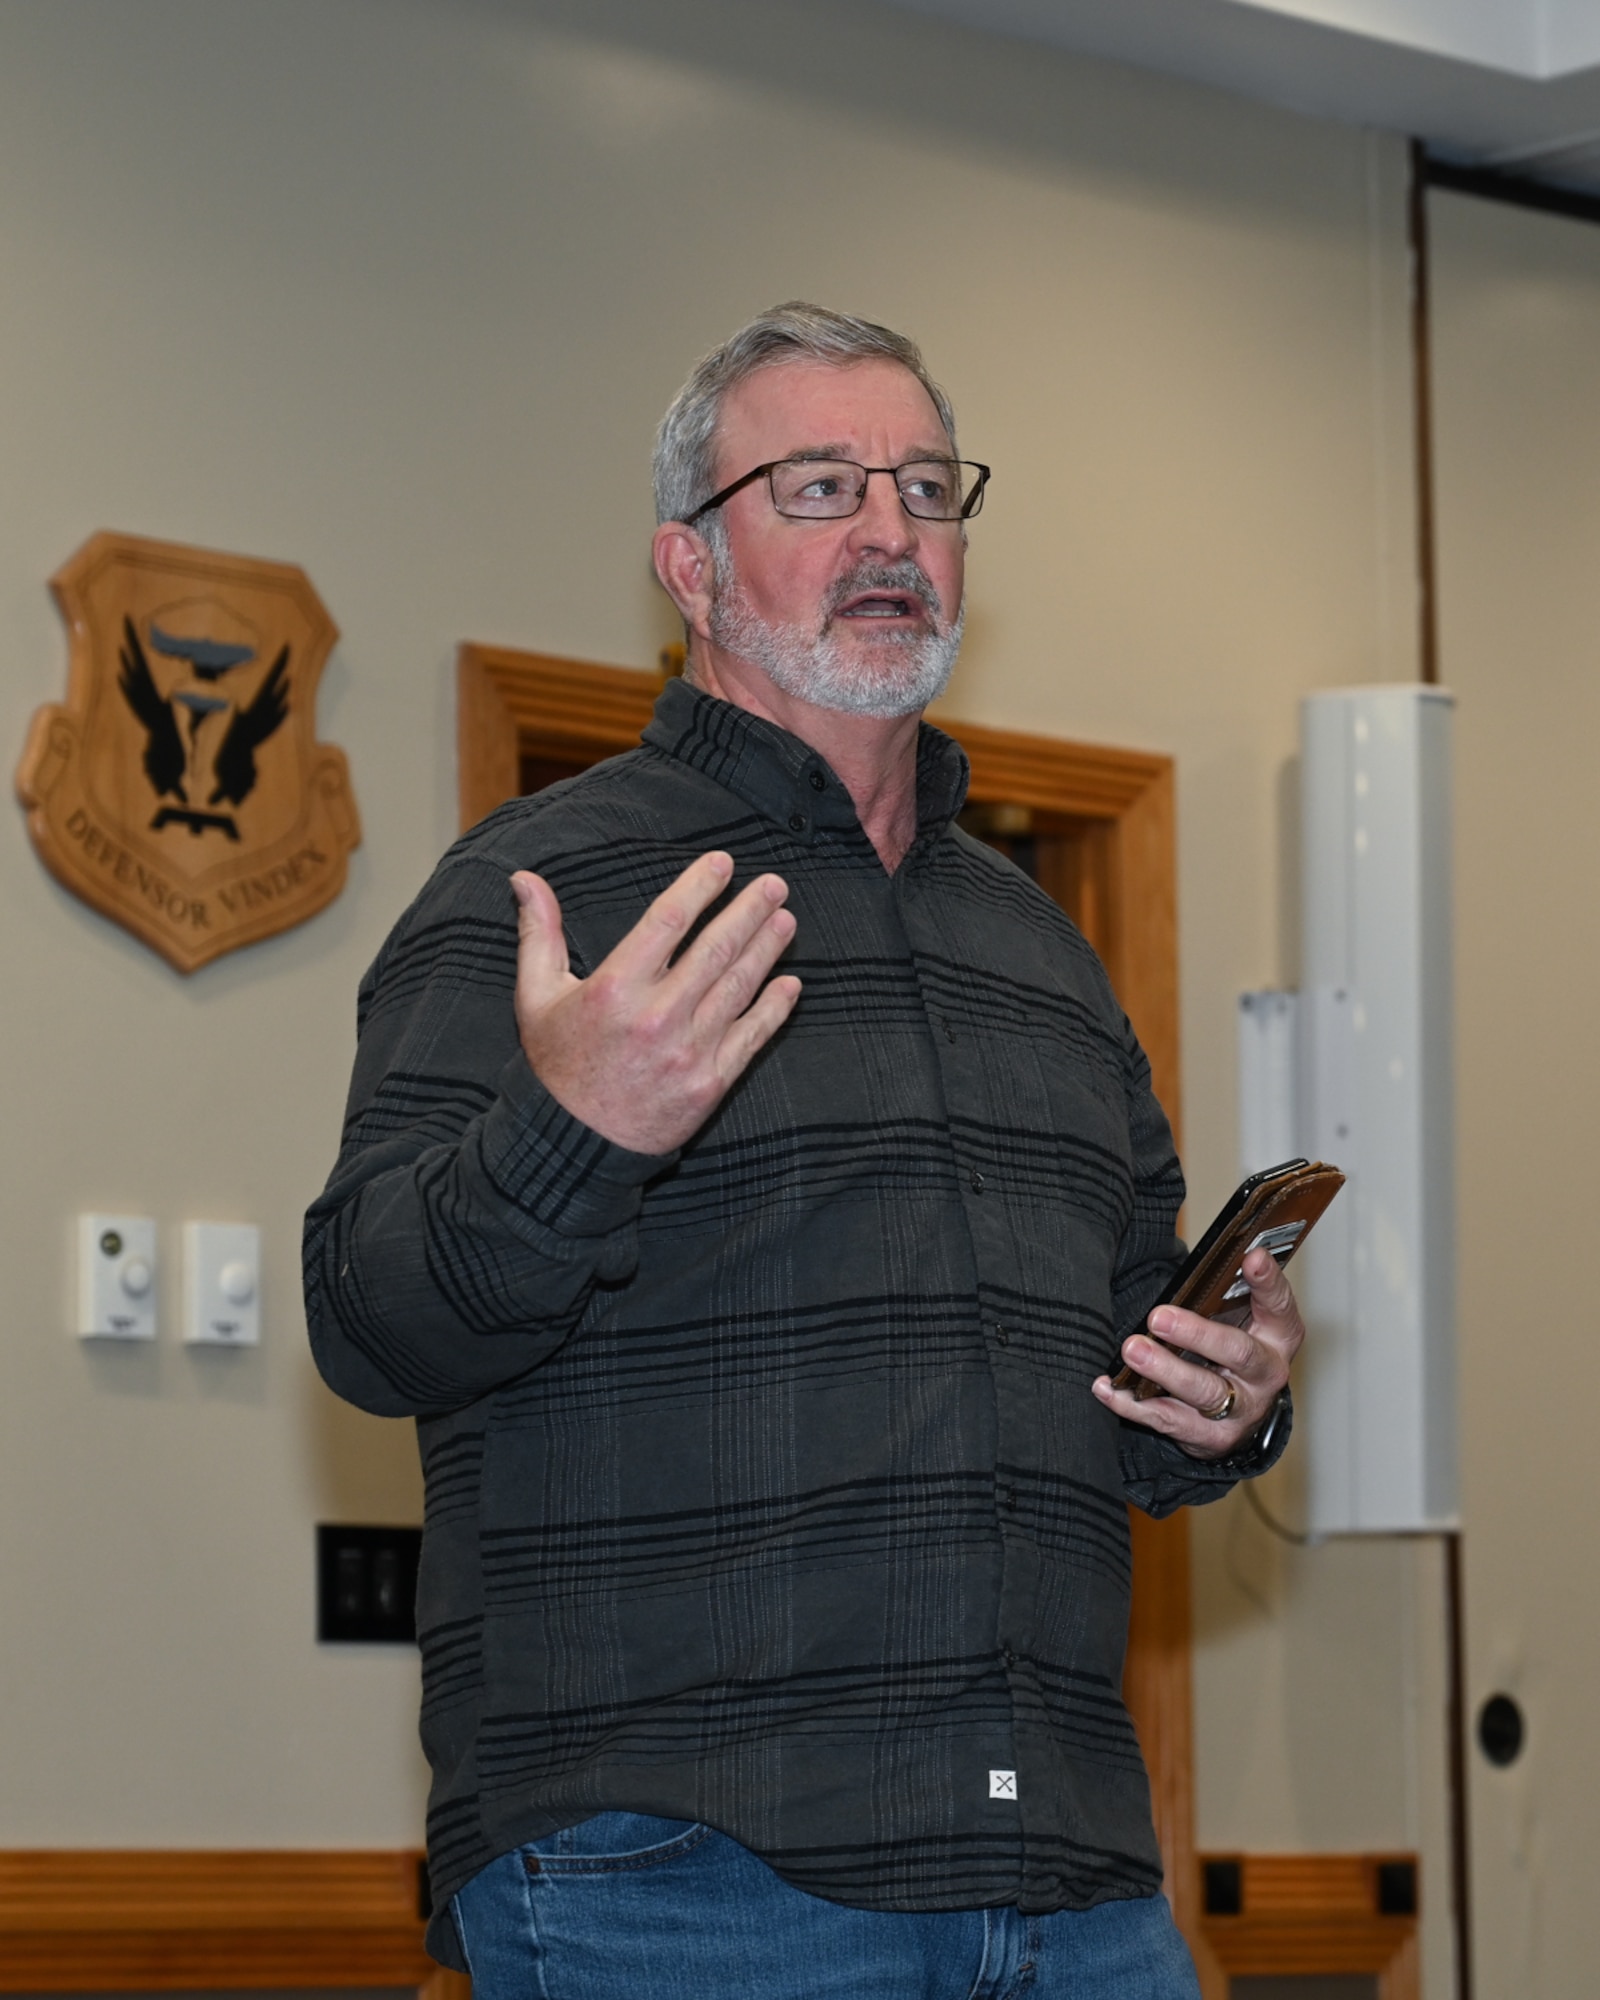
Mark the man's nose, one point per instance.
(882, 523)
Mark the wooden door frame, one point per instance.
(511, 703)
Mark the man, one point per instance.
(751, 1227)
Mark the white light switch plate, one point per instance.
(116, 1277)
(221, 1284)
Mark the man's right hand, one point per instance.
(646, 1048)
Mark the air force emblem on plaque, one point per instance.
(180, 789)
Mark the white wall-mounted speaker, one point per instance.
(1359, 1067)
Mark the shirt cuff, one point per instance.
(1167, 1477)
(560, 1172)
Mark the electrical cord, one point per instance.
(1269, 1520)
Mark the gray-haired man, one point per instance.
(748, 1183)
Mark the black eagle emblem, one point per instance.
(169, 760)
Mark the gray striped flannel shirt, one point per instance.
(764, 1484)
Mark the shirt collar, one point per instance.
(784, 779)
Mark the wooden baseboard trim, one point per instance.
(1302, 1914)
(84, 1921)
(94, 1921)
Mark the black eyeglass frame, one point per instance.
(970, 506)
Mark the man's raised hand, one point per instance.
(645, 1048)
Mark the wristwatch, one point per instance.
(1266, 1442)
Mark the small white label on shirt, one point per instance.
(1002, 1784)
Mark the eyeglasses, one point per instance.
(832, 489)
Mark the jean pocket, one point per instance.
(613, 1843)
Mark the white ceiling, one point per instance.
(1508, 84)
(1537, 38)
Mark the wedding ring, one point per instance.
(1219, 1413)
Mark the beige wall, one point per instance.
(1518, 396)
(397, 291)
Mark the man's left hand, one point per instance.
(1252, 1361)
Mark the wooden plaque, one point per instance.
(180, 789)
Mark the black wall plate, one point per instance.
(1222, 1887)
(367, 1584)
(1397, 1888)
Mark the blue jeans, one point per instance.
(626, 1907)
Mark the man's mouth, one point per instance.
(881, 606)
(885, 594)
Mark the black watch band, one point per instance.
(1255, 1450)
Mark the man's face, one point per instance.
(861, 615)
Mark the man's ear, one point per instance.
(685, 565)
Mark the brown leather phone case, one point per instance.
(1275, 1210)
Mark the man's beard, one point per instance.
(898, 672)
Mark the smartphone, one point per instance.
(1275, 1211)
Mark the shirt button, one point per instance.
(1001, 1337)
(1009, 1658)
(817, 782)
(1008, 1499)
(949, 1032)
(797, 822)
(975, 1181)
